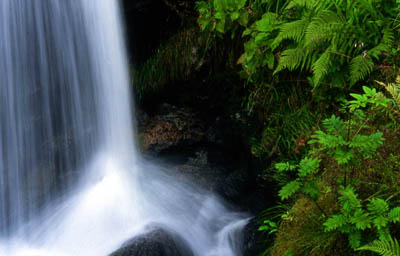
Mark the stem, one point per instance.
(319, 207)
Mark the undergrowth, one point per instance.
(175, 60)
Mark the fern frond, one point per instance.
(378, 206)
(394, 215)
(349, 199)
(321, 67)
(294, 30)
(361, 219)
(355, 239)
(308, 166)
(393, 90)
(367, 6)
(310, 4)
(324, 26)
(289, 189)
(335, 222)
(389, 247)
(291, 59)
(385, 45)
(360, 67)
(334, 124)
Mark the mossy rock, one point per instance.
(301, 231)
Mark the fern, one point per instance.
(291, 59)
(367, 145)
(394, 92)
(289, 189)
(387, 247)
(355, 239)
(294, 30)
(335, 222)
(323, 27)
(304, 183)
(321, 67)
(352, 218)
(334, 124)
(394, 215)
(332, 34)
(310, 4)
(308, 166)
(378, 206)
(385, 44)
(360, 67)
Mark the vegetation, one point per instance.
(180, 54)
(332, 47)
(386, 247)
(321, 79)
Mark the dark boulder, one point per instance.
(159, 241)
(255, 241)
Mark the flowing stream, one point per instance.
(71, 181)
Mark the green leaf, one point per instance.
(355, 239)
(321, 67)
(349, 200)
(289, 189)
(394, 215)
(270, 226)
(343, 155)
(284, 166)
(270, 60)
(361, 219)
(378, 206)
(261, 37)
(380, 222)
(360, 67)
(312, 190)
(308, 166)
(386, 247)
(334, 124)
(267, 23)
(220, 27)
(235, 16)
(241, 3)
(244, 18)
(335, 222)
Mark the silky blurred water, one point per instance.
(71, 181)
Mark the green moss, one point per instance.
(301, 232)
(174, 60)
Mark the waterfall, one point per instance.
(71, 182)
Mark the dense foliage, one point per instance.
(320, 79)
(325, 50)
(331, 45)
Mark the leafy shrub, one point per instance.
(349, 143)
(353, 218)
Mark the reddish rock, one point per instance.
(172, 128)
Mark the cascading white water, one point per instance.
(71, 182)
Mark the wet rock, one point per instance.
(231, 184)
(254, 242)
(159, 241)
(171, 128)
(234, 185)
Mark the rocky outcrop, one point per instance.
(207, 153)
(254, 240)
(171, 128)
(159, 241)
